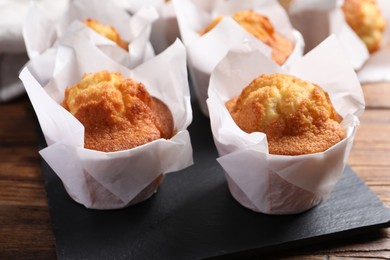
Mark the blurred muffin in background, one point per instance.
(365, 18)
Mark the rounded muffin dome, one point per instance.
(297, 116)
(117, 113)
(365, 18)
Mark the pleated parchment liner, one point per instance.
(320, 18)
(111, 180)
(41, 33)
(165, 29)
(204, 52)
(278, 184)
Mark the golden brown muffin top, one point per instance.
(260, 27)
(117, 113)
(365, 18)
(297, 116)
(107, 31)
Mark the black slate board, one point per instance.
(193, 216)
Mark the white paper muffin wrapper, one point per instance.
(41, 33)
(317, 19)
(12, 48)
(377, 67)
(277, 184)
(118, 176)
(204, 52)
(165, 29)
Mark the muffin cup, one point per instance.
(41, 33)
(204, 52)
(377, 67)
(279, 184)
(165, 30)
(112, 180)
(318, 19)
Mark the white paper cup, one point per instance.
(165, 29)
(278, 184)
(317, 19)
(110, 180)
(204, 52)
(41, 33)
(377, 67)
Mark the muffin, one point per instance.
(365, 18)
(260, 27)
(297, 116)
(117, 113)
(107, 31)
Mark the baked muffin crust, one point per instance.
(117, 113)
(297, 116)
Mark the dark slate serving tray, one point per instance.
(193, 216)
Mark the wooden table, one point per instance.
(26, 232)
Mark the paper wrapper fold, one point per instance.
(377, 67)
(277, 184)
(41, 33)
(165, 29)
(317, 19)
(12, 48)
(108, 180)
(204, 52)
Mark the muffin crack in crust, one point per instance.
(260, 27)
(117, 113)
(297, 116)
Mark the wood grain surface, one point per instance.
(25, 227)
